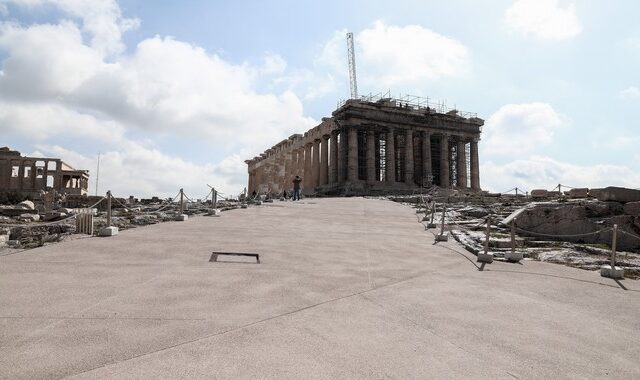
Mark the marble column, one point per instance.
(251, 180)
(426, 157)
(316, 163)
(390, 157)
(333, 164)
(475, 166)
(307, 179)
(21, 175)
(287, 170)
(300, 166)
(461, 167)
(259, 177)
(34, 175)
(45, 174)
(408, 158)
(342, 156)
(444, 162)
(352, 165)
(324, 160)
(292, 166)
(371, 156)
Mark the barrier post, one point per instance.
(612, 271)
(214, 203)
(433, 214)
(108, 208)
(181, 201)
(244, 203)
(442, 236)
(182, 217)
(486, 257)
(109, 230)
(513, 256)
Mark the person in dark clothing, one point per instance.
(296, 188)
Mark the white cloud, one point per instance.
(101, 19)
(45, 61)
(308, 83)
(389, 55)
(71, 80)
(42, 121)
(140, 171)
(165, 86)
(273, 64)
(630, 93)
(521, 128)
(543, 19)
(539, 172)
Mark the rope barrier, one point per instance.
(564, 236)
(629, 234)
(148, 212)
(163, 207)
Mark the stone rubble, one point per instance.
(35, 234)
(466, 221)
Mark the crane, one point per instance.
(352, 66)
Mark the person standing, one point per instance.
(296, 188)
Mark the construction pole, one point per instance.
(97, 174)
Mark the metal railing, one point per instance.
(414, 102)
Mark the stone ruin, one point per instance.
(375, 146)
(30, 176)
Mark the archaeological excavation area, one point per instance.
(375, 146)
(335, 294)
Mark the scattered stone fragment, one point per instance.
(619, 194)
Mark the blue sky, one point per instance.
(178, 94)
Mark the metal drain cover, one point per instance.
(234, 257)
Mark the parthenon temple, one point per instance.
(375, 146)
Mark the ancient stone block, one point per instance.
(602, 209)
(615, 272)
(109, 231)
(28, 205)
(539, 193)
(632, 208)
(593, 193)
(578, 193)
(30, 217)
(619, 194)
(514, 256)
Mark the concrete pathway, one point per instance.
(346, 288)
